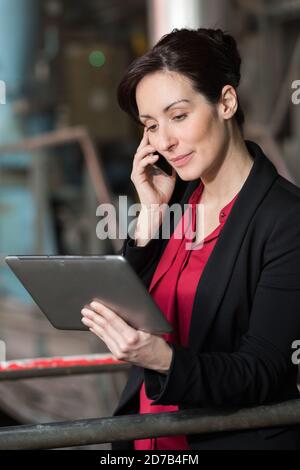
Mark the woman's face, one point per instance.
(180, 122)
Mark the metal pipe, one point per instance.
(60, 366)
(129, 427)
(169, 14)
(73, 134)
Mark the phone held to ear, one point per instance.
(163, 164)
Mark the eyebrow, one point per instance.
(166, 108)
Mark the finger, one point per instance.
(91, 321)
(113, 340)
(145, 139)
(116, 328)
(149, 160)
(106, 339)
(142, 153)
(110, 347)
(111, 317)
(123, 334)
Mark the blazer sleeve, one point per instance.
(258, 370)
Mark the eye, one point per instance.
(180, 117)
(151, 128)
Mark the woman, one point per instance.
(233, 301)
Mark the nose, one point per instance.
(166, 141)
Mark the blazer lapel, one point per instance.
(209, 292)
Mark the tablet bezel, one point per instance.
(62, 285)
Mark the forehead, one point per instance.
(157, 90)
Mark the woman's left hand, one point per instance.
(126, 343)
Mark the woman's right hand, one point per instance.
(152, 184)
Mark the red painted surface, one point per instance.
(51, 362)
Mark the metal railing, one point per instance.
(123, 428)
(130, 427)
(62, 365)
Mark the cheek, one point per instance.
(201, 127)
(206, 132)
(196, 133)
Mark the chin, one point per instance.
(188, 175)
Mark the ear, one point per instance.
(228, 103)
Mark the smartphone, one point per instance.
(163, 164)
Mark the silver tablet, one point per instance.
(62, 285)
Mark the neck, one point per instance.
(227, 180)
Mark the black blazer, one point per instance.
(246, 311)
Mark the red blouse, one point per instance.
(173, 287)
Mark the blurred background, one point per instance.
(65, 147)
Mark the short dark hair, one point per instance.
(208, 57)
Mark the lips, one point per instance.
(181, 159)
